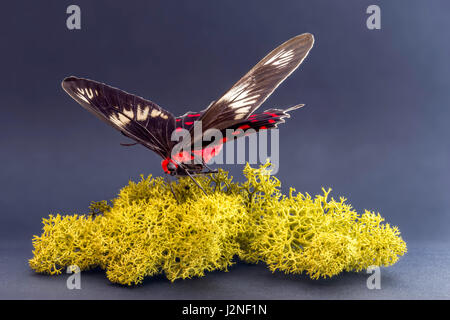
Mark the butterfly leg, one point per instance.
(190, 176)
(210, 171)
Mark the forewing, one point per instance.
(137, 118)
(238, 103)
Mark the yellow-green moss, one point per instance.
(145, 231)
(67, 241)
(323, 237)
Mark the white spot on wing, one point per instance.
(243, 110)
(284, 58)
(124, 119)
(281, 58)
(236, 91)
(288, 54)
(142, 114)
(244, 102)
(82, 97)
(89, 93)
(274, 57)
(155, 113)
(128, 113)
(116, 120)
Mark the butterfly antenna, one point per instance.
(128, 144)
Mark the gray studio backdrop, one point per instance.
(375, 126)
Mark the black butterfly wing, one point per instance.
(238, 103)
(269, 119)
(137, 118)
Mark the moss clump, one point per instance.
(65, 241)
(323, 236)
(146, 231)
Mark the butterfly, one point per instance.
(152, 126)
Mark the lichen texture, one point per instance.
(146, 231)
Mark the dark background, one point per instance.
(375, 127)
